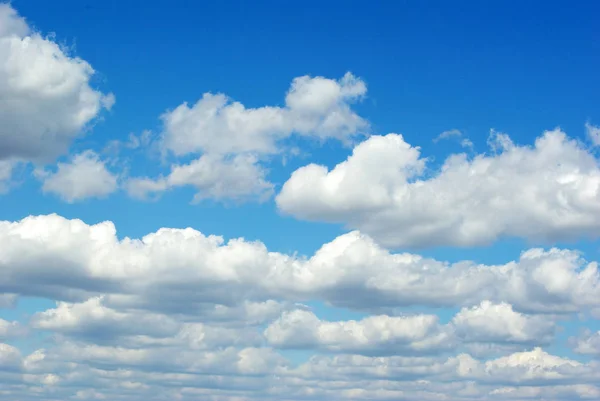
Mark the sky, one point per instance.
(235, 201)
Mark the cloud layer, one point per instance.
(180, 314)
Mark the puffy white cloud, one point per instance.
(46, 100)
(239, 177)
(490, 322)
(532, 367)
(85, 176)
(91, 319)
(375, 334)
(49, 256)
(233, 141)
(180, 315)
(545, 192)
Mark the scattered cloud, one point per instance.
(593, 133)
(454, 134)
(84, 176)
(544, 192)
(46, 100)
(352, 271)
(237, 178)
(176, 313)
(232, 142)
(588, 343)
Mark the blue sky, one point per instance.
(409, 180)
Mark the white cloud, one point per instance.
(180, 315)
(85, 176)
(80, 260)
(454, 134)
(545, 192)
(588, 343)
(233, 141)
(46, 100)
(10, 358)
(490, 322)
(10, 329)
(375, 334)
(314, 106)
(235, 178)
(593, 133)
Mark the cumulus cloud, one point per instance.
(46, 100)
(489, 323)
(50, 256)
(178, 314)
(375, 334)
(314, 106)
(233, 141)
(84, 176)
(238, 178)
(544, 192)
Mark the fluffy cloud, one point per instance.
(375, 334)
(85, 176)
(46, 100)
(545, 192)
(314, 106)
(181, 315)
(238, 178)
(49, 256)
(490, 322)
(233, 141)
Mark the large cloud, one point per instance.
(231, 142)
(181, 315)
(179, 270)
(546, 192)
(46, 100)
(376, 334)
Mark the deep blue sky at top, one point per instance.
(518, 66)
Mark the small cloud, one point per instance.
(457, 134)
(85, 176)
(453, 133)
(593, 132)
